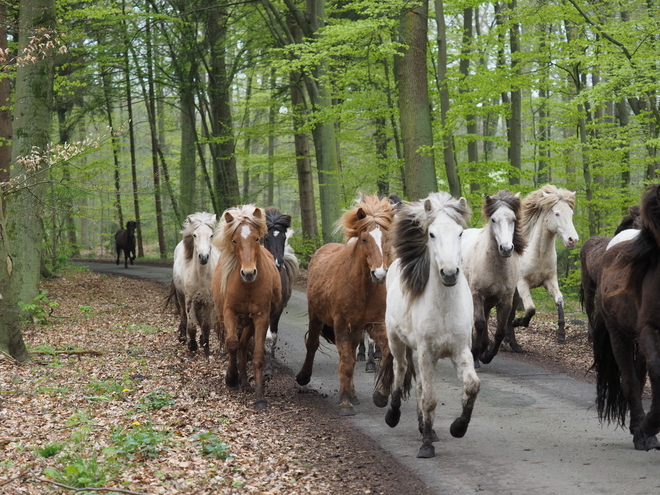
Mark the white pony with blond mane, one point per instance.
(547, 213)
(195, 259)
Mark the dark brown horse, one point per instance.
(627, 328)
(346, 292)
(276, 241)
(591, 261)
(125, 241)
(246, 291)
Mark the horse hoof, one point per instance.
(515, 347)
(477, 364)
(378, 355)
(355, 401)
(346, 410)
(192, 346)
(458, 428)
(426, 452)
(484, 358)
(561, 340)
(392, 417)
(207, 351)
(303, 378)
(361, 357)
(268, 372)
(231, 380)
(371, 367)
(260, 405)
(379, 399)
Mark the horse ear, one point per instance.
(427, 205)
(189, 219)
(517, 195)
(257, 213)
(228, 217)
(287, 220)
(361, 214)
(214, 218)
(462, 201)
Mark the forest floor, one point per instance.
(111, 400)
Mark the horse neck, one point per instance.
(359, 270)
(541, 238)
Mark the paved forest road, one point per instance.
(532, 431)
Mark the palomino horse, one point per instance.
(277, 242)
(491, 260)
(546, 214)
(429, 309)
(125, 241)
(591, 260)
(627, 329)
(346, 292)
(195, 259)
(246, 291)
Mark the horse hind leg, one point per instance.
(510, 335)
(650, 340)
(503, 315)
(394, 374)
(312, 344)
(361, 355)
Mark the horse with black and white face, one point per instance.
(195, 258)
(276, 241)
(546, 214)
(491, 259)
(429, 310)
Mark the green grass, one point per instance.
(157, 399)
(211, 446)
(50, 450)
(139, 441)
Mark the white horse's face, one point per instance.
(203, 241)
(560, 221)
(503, 225)
(444, 241)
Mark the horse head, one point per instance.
(245, 239)
(371, 244)
(444, 241)
(198, 236)
(275, 240)
(131, 225)
(503, 212)
(560, 219)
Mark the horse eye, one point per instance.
(460, 235)
(195, 236)
(557, 214)
(492, 220)
(431, 235)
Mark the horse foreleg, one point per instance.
(191, 325)
(346, 346)
(426, 402)
(378, 335)
(480, 341)
(206, 312)
(312, 344)
(395, 380)
(510, 335)
(552, 286)
(524, 291)
(503, 315)
(258, 357)
(361, 356)
(650, 343)
(464, 365)
(232, 346)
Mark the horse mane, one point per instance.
(225, 231)
(633, 220)
(511, 201)
(644, 251)
(276, 219)
(368, 210)
(539, 202)
(192, 223)
(410, 231)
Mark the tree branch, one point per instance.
(89, 489)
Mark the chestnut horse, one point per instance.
(627, 329)
(246, 291)
(346, 292)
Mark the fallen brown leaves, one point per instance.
(110, 376)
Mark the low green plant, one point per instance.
(158, 399)
(140, 441)
(212, 446)
(79, 472)
(37, 311)
(107, 390)
(50, 450)
(87, 310)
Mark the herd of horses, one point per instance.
(421, 285)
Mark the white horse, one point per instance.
(547, 213)
(491, 259)
(195, 258)
(429, 309)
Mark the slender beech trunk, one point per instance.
(515, 127)
(5, 109)
(115, 148)
(471, 118)
(188, 163)
(414, 107)
(272, 110)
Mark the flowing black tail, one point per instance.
(610, 400)
(385, 377)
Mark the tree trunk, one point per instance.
(515, 123)
(414, 107)
(272, 110)
(5, 109)
(188, 163)
(24, 224)
(115, 148)
(447, 132)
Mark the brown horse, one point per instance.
(346, 293)
(246, 290)
(591, 261)
(627, 328)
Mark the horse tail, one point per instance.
(171, 298)
(385, 377)
(291, 263)
(328, 334)
(610, 399)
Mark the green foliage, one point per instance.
(107, 390)
(79, 472)
(305, 247)
(139, 441)
(212, 446)
(157, 399)
(38, 311)
(50, 450)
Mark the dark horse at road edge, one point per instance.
(125, 241)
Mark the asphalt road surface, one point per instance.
(532, 431)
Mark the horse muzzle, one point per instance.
(506, 251)
(249, 276)
(449, 279)
(203, 259)
(378, 276)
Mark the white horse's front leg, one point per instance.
(426, 402)
(400, 365)
(464, 365)
(552, 286)
(524, 291)
(191, 323)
